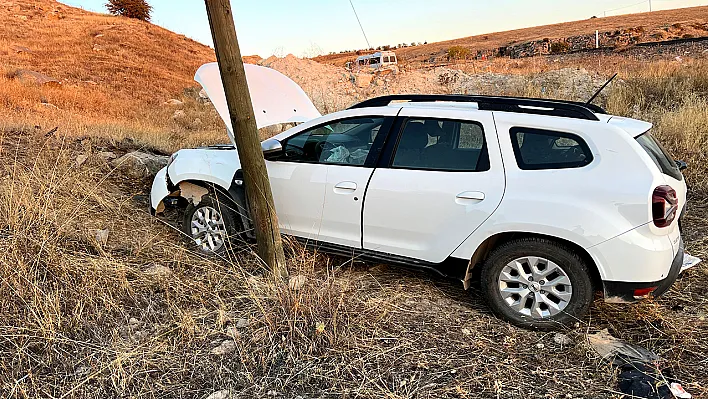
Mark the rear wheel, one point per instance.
(212, 224)
(537, 283)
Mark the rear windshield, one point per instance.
(658, 154)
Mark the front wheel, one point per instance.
(211, 224)
(537, 283)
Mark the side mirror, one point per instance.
(681, 165)
(271, 147)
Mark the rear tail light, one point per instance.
(664, 206)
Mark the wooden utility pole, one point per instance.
(243, 121)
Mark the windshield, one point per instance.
(659, 155)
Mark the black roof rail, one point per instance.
(568, 109)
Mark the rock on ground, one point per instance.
(101, 236)
(107, 155)
(81, 158)
(297, 282)
(138, 164)
(158, 270)
(27, 76)
(222, 394)
(562, 339)
(226, 347)
(178, 114)
(21, 49)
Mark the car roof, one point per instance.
(436, 104)
(633, 127)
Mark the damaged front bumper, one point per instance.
(626, 292)
(160, 190)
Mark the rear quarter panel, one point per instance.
(587, 205)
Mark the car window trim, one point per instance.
(371, 159)
(389, 153)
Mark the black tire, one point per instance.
(569, 263)
(226, 209)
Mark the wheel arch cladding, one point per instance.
(498, 239)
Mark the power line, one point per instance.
(362, 28)
(631, 5)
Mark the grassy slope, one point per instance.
(115, 74)
(653, 23)
(130, 60)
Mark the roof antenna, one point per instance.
(362, 28)
(602, 88)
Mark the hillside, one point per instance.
(645, 27)
(118, 64)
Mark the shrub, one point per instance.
(138, 9)
(457, 53)
(559, 47)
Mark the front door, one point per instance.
(319, 181)
(444, 177)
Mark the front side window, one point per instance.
(434, 144)
(537, 149)
(345, 142)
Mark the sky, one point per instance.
(307, 28)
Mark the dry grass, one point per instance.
(140, 315)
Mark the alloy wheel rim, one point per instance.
(535, 287)
(208, 229)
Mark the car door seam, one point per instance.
(371, 176)
(501, 156)
(363, 204)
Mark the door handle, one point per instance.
(471, 195)
(346, 185)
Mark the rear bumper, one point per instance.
(623, 292)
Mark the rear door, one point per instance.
(440, 177)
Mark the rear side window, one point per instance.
(436, 144)
(537, 149)
(659, 155)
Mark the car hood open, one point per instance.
(275, 98)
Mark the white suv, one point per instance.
(545, 202)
